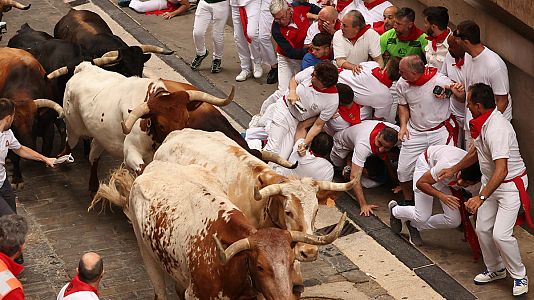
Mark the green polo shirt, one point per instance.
(390, 43)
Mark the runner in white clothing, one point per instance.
(436, 21)
(363, 140)
(314, 163)
(504, 184)
(373, 10)
(424, 117)
(84, 286)
(372, 88)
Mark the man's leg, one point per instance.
(221, 10)
(8, 205)
(486, 216)
(266, 45)
(450, 218)
(241, 43)
(253, 23)
(200, 26)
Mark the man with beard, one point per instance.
(405, 38)
(437, 30)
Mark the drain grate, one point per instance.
(348, 228)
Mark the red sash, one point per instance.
(244, 22)
(372, 139)
(525, 200)
(453, 130)
(469, 232)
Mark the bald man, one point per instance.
(84, 286)
(388, 22)
(327, 21)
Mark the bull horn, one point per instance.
(139, 111)
(205, 97)
(274, 157)
(111, 53)
(268, 191)
(155, 49)
(58, 72)
(16, 4)
(336, 187)
(40, 103)
(106, 59)
(233, 249)
(299, 236)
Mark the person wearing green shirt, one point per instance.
(405, 38)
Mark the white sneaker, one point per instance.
(487, 276)
(258, 70)
(520, 287)
(243, 75)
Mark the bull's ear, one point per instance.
(146, 57)
(325, 197)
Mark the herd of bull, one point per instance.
(205, 208)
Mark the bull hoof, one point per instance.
(17, 186)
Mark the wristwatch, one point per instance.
(482, 197)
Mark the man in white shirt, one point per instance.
(372, 10)
(84, 286)
(327, 21)
(363, 140)
(355, 43)
(436, 27)
(484, 65)
(504, 183)
(424, 117)
(426, 188)
(372, 88)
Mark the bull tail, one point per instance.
(117, 191)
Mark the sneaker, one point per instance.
(20, 259)
(198, 60)
(487, 276)
(258, 70)
(124, 3)
(394, 223)
(520, 287)
(415, 236)
(272, 76)
(243, 75)
(216, 66)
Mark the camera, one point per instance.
(438, 90)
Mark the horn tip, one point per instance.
(27, 7)
(125, 130)
(257, 194)
(168, 52)
(295, 165)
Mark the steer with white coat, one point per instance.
(265, 197)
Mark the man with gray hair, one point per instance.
(355, 42)
(13, 230)
(84, 286)
(425, 116)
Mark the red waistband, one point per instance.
(518, 176)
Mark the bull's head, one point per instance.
(294, 203)
(164, 112)
(25, 113)
(271, 259)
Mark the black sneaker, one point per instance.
(216, 66)
(415, 235)
(198, 60)
(19, 260)
(394, 223)
(272, 77)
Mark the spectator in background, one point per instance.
(388, 22)
(13, 230)
(405, 38)
(319, 50)
(215, 12)
(437, 30)
(84, 286)
(355, 43)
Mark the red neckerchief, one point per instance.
(337, 26)
(425, 77)
(414, 34)
(379, 27)
(324, 57)
(458, 62)
(372, 139)
(440, 38)
(360, 33)
(328, 90)
(373, 4)
(475, 125)
(382, 76)
(350, 114)
(340, 6)
(76, 285)
(13, 267)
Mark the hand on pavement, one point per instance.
(367, 210)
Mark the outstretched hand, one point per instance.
(367, 210)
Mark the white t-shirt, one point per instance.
(498, 140)
(367, 45)
(441, 157)
(316, 103)
(357, 138)
(426, 111)
(376, 14)
(312, 31)
(455, 74)
(81, 295)
(309, 165)
(435, 58)
(490, 69)
(352, 6)
(7, 142)
(240, 3)
(368, 90)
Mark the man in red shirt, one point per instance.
(13, 230)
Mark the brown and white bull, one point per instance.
(265, 197)
(102, 104)
(183, 221)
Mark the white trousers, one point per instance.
(281, 131)
(247, 54)
(216, 14)
(265, 45)
(420, 215)
(287, 68)
(495, 228)
(144, 6)
(416, 144)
